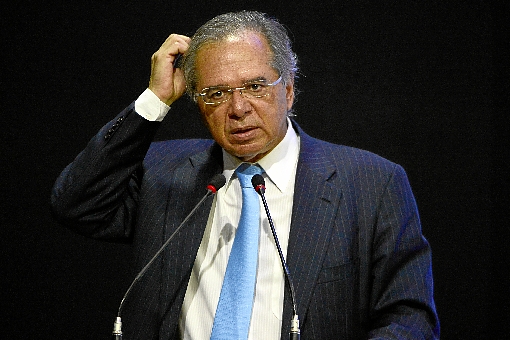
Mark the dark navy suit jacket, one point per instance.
(360, 265)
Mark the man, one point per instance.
(346, 219)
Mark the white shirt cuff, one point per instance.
(150, 107)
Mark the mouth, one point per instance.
(244, 132)
(243, 129)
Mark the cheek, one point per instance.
(283, 99)
(214, 122)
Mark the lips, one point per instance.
(244, 132)
(243, 129)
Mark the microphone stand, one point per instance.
(215, 184)
(258, 184)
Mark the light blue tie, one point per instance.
(233, 314)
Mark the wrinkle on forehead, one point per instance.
(227, 60)
(257, 39)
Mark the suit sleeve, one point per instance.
(402, 303)
(97, 194)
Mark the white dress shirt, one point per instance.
(204, 286)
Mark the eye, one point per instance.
(255, 87)
(216, 93)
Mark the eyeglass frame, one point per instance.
(232, 89)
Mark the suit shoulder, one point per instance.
(344, 151)
(320, 152)
(354, 159)
(173, 151)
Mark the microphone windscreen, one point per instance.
(257, 180)
(216, 182)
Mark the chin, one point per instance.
(245, 156)
(248, 152)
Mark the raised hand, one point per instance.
(167, 81)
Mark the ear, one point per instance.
(289, 93)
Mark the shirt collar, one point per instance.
(276, 164)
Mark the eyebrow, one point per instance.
(261, 78)
(256, 79)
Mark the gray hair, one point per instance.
(284, 60)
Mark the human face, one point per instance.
(248, 128)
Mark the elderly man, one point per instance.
(345, 219)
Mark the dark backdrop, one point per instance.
(421, 83)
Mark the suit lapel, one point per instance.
(316, 200)
(188, 183)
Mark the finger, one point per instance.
(176, 39)
(173, 47)
(180, 83)
(178, 36)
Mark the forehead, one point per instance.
(234, 60)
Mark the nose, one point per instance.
(238, 103)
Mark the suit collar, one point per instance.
(313, 156)
(211, 155)
(316, 199)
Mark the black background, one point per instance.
(423, 83)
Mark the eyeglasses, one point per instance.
(219, 94)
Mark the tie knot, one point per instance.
(246, 171)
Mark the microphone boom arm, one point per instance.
(215, 184)
(258, 184)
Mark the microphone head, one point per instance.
(258, 182)
(216, 183)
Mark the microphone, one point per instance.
(214, 185)
(259, 185)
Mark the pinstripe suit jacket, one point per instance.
(360, 265)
